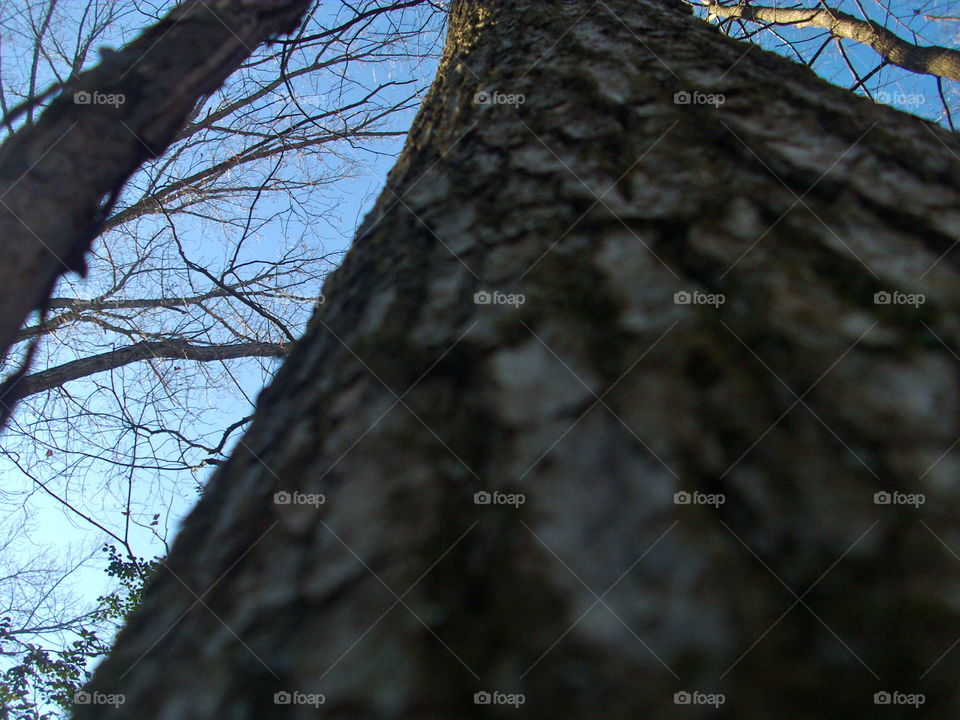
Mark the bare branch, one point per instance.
(927, 60)
(169, 348)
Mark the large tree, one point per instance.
(694, 307)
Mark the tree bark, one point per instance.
(600, 396)
(60, 176)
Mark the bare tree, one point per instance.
(60, 177)
(208, 266)
(216, 254)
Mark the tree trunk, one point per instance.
(698, 315)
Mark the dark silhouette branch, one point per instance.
(161, 349)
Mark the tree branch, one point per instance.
(171, 348)
(927, 60)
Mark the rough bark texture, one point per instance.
(798, 398)
(59, 176)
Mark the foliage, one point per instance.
(42, 684)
